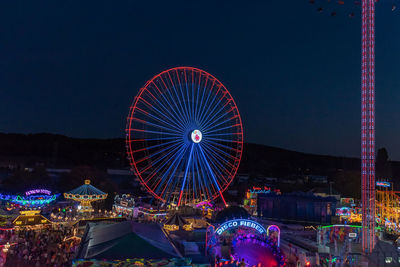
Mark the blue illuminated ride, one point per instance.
(184, 136)
(33, 198)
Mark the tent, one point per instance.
(125, 240)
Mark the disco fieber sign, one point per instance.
(240, 223)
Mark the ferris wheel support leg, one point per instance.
(223, 199)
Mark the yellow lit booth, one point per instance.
(30, 218)
(85, 195)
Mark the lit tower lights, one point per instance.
(368, 125)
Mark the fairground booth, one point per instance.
(124, 205)
(30, 219)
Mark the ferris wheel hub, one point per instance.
(196, 136)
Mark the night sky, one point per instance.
(74, 67)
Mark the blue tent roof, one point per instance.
(86, 189)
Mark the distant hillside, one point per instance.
(258, 160)
(61, 151)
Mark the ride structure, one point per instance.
(35, 198)
(184, 137)
(367, 116)
(85, 195)
(368, 125)
(388, 206)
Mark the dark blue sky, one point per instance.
(73, 67)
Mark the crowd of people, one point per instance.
(49, 246)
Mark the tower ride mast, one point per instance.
(368, 125)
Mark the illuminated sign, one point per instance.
(343, 211)
(30, 212)
(240, 223)
(263, 190)
(346, 200)
(352, 235)
(382, 184)
(38, 191)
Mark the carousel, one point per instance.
(85, 195)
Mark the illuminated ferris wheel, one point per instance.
(184, 136)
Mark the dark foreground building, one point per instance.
(296, 207)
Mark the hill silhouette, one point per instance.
(59, 151)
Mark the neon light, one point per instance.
(344, 211)
(240, 223)
(31, 200)
(344, 225)
(276, 229)
(38, 191)
(382, 184)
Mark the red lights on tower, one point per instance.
(368, 125)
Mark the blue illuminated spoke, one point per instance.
(178, 99)
(218, 164)
(223, 128)
(163, 107)
(157, 126)
(154, 132)
(207, 107)
(177, 117)
(203, 176)
(218, 157)
(153, 165)
(154, 139)
(225, 134)
(210, 120)
(219, 124)
(222, 140)
(221, 145)
(173, 187)
(206, 104)
(165, 157)
(209, 168)
(175, 165)
(165, 119)
(220, 150)
(201, 100)
(174, 100)
(155, 146)
(197, 98)
(184, 99)
(212, 112)
(166, 163)
(186, 173)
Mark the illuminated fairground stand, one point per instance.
(250, 198)
(387, 208)
(124, 205)
(85, 195)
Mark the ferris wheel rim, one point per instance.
(133, 108)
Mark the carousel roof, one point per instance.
(86, 189)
